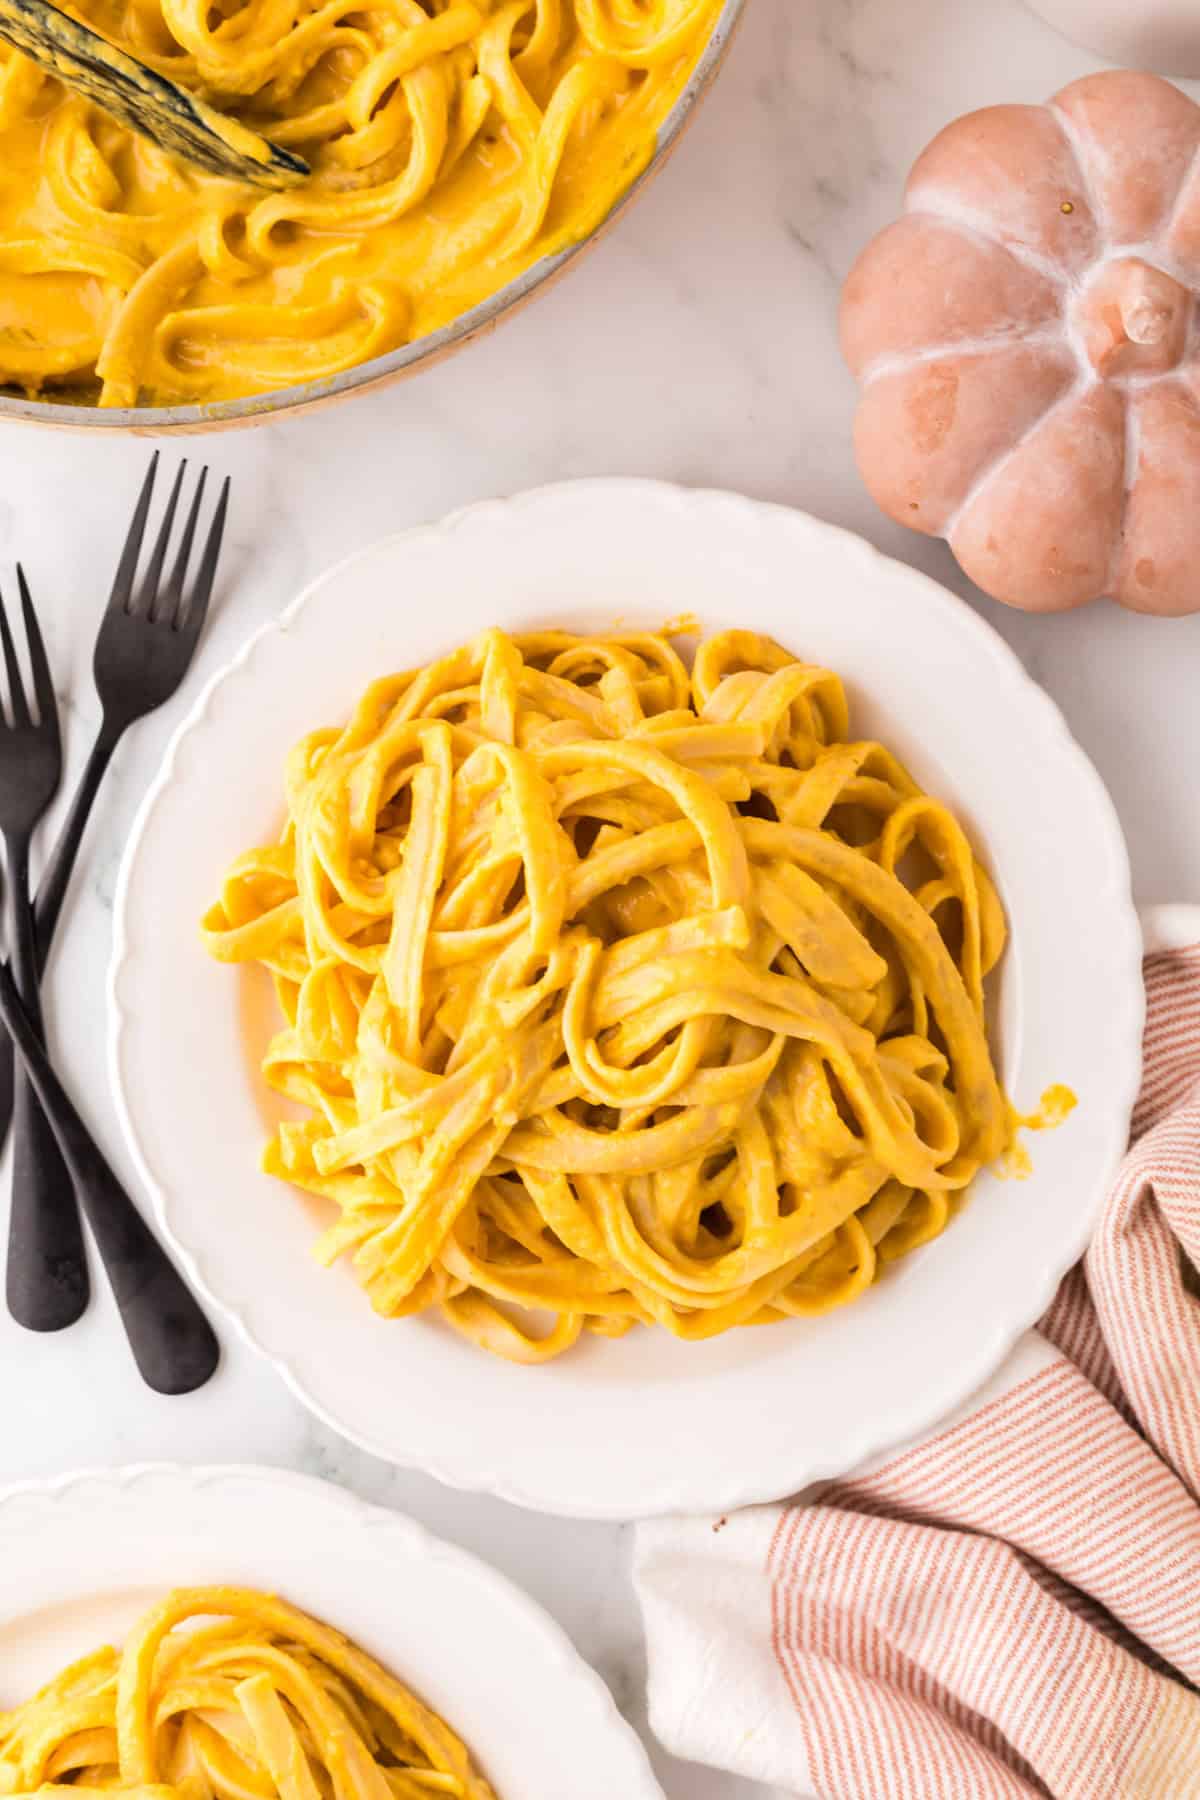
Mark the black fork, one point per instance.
(148, 636)
(48, 1287)
(173, 1343)
(147, 639)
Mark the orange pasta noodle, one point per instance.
(618, 992)
(452, 143)
(222, 1693)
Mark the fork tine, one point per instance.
(207, 572)
(18, 704)
(122, 586)
(174, 594)
(43, 682)
(146, 602)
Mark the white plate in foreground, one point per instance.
(645, 1424)
(81, 1559)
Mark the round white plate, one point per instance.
(82, 1558)
(645, 1424)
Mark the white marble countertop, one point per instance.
(697, 344)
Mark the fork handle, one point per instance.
(47, 1286)
(52, 891)
(173, 1344)
(47, 1276)
(56, 877)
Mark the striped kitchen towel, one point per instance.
(1010, 1607)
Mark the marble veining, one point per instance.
(698, 344)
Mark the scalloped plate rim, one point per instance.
(414, 1540)
(681, 1493)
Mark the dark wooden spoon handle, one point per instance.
(143, 99)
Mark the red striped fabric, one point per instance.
(1012, 1606)
(1172, 1034)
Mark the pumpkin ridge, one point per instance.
(1153, 516)
(954, 215)
(964, 218)
(1152, 250)
(897, 361)
(1191, 175)
(1169, 237)
(999, 463)
(926, 282)
(1010, 170)
(1041, 531)
(1083, 163)
(1132, 456)
(1140, 187)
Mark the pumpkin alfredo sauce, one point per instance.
(619, 992)
(452, 146)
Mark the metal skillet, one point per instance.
(75, 412)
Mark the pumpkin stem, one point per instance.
(1135, 319)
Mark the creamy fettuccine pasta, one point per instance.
(618, 992)
(227, 1694)
(452, 143)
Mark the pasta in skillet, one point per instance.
(452, 142)
(619, 993)
(223, 1693)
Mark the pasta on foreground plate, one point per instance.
(453, 143)
(223, 1694)
(619, 993)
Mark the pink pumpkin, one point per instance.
(1027, 338)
